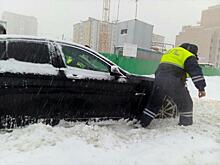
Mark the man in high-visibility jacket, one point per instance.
(170, 79)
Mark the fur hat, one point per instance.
(191, 48)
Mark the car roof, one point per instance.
(7, 36)
(12, 36)
(30, 37)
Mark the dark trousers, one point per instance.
(176, 90)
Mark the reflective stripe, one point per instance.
(185, 113)
(148, 114)
(147, 110)
(195, 77)
(199, 79)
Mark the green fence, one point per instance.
(210, 71)
(148, 67)
(133, 65)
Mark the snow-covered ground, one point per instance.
(118, 143)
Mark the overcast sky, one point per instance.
(56, 17)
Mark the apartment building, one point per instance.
(99, 35)
(206, 35)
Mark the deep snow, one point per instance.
(118, 143)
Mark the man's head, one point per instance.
(191, 48)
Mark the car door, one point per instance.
(26, 77)
(90, 90)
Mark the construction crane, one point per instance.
(136, 1)
(106, 10)
(118, 11)
(104, 37)
(136, 10)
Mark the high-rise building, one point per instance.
(210, 17)
(89, 33)
(206, 35)
(20, 24)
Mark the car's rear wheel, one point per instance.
(168, 109)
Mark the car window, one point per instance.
(81, 59)
(2, 50)
(29, 51)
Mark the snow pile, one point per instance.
(119, 143)
(212, 89)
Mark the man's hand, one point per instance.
(201, 94)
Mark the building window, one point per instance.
(124, 31)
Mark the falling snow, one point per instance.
(119, 143)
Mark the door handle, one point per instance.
(76, 76)
(72, 76)
(140, 94)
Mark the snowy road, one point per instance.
(118, 143)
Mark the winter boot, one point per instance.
(185, 120)
(146, 117)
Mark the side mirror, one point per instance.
(115, 71)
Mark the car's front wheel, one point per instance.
(168, 109)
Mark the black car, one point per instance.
(52, 80)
